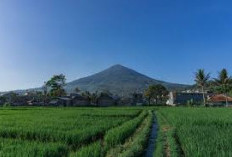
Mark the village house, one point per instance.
(219, 100)
(78, 100)
(15, 99)
(61, 101)
(71, 100)
(54, 102)
(34, 102)
(105, 100)
(179, 98)
(19, 101)
(125, 101)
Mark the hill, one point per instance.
(119, 80)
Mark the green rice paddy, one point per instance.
(114, 132)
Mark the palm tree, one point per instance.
(201, 79)
(223, 82)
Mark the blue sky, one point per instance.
(164, 39)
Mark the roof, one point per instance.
(64, 98)
(186, 94)
(103, 96)
(183, 98)
(219, 98)
(53, 101)
(77, 97)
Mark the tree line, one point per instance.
(154, 94)
(55, 88)
(221, 85)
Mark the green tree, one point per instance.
(87, 95)
(155, 92)
(91, 97)
(77, 90)
(106, 92)
(201, 79)
(56, 85)
(94, 98)
(137, 97)
(2, 100)
(223, 83)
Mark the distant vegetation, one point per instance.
(53, 93)
(220, 85)
(156, 93)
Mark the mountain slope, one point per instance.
(119, 80)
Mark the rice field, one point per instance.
(115, 132)
(74, 132)
(201, 132)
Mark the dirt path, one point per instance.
(166, 144)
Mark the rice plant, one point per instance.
(197, 131)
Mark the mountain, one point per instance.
(119, 80)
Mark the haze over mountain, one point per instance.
(119, 80)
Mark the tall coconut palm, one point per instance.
(201, 79)
(223, 82)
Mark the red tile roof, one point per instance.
(220, 98)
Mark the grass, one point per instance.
(118, 135)
(114, 132)
(92, 150)
(114, 137)
(13, 147)
(58, 131)
(194, 132)
(68, 126)
(136, 145)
